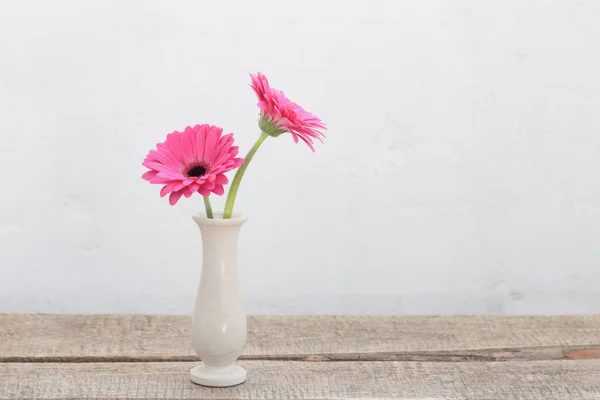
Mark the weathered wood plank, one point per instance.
(547, 380)
(145, 337)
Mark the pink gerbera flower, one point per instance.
(279, 114)
(191, 161)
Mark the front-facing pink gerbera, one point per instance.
(279, 114)
(191, 161)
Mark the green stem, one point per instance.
(235, 184)
(209, 213)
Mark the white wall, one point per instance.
(461, 173)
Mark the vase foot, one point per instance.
(222, 376)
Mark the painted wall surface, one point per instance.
(461, 172)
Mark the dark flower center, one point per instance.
(196, 171)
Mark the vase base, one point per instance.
(222, 376)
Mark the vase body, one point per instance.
(219, 321)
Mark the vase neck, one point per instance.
(219, 238)
(219, 247)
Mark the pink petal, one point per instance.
(175, 146)
(203, 191)
(194, 187)
(178, 186)
(174, 197)
(159, 180)
(166, 190)
(212, 138)
(223, 154)
(170, 175)
(200, 180)
(209, 185)
(226, 141)
(165, 157)
(308, 142)
(226, 154)
(238, 162)
(158, 166)
(188, 192)
(200, 140)
(220, 169)
(233, 151)
(189, 143)
(218, 190)
(221, 179)
(148, 175)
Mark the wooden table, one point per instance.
(312, 357)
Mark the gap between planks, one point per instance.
(539, 353)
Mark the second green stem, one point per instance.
(235, 184)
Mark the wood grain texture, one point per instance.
(165, 338)
(547, 380)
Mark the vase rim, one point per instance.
(236, 219)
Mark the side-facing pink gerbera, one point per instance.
(191, 161)
(279, 114)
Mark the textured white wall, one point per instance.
(461, 173)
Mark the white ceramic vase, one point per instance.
(219, 320)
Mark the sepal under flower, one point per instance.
(268, 126)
